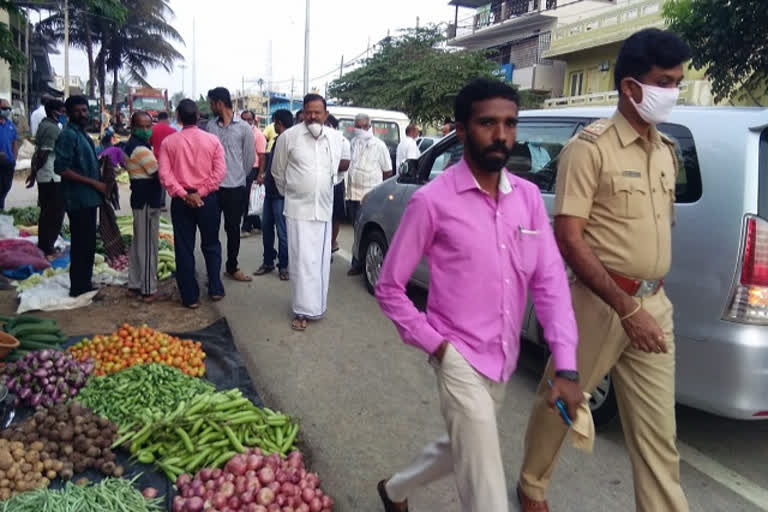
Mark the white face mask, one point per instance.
(657, 102)
(359, 132)
(316, 129)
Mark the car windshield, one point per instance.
(148, 103)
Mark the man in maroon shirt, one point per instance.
(161, 129)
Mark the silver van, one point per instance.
(719, 277)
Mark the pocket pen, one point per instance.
(561, 407)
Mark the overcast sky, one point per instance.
(232, 39)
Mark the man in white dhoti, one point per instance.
(305, 169)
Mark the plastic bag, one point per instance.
(7, 229)
(17, 253)
(256, 201)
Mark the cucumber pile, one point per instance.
(33, 333)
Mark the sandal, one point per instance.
(263, 270)
(216, 298)
(194, 305)
(239, 275)
(299, 323)
(284, 276)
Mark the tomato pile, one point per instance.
(131, 345)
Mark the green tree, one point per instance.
(729, 41)
(203, 107)
(8, 50)
(412, 74)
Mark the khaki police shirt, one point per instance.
(625, 188)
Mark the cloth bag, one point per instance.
(256, 200)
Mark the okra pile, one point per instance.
(125, 396)
(206, 432)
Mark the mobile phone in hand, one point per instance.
(561, 407)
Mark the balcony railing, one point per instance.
(498, 12)
(693, 92)
(610, 26)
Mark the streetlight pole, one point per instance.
(66, 49)
(306, 51)
(183, 68)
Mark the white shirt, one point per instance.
(406, 150)
(370, 158)
(37, 116)
(305, 170)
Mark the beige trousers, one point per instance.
(470, 450)
(645, 391)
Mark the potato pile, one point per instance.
(70, 433)
(26, 467)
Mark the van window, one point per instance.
(688, 186)
(387, 131)
(537, 150)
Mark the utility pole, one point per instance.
(306, 51)
(183, 68)
(341, 67)
(66, 49)
(417, 23)
(291, 107)
(194, 63)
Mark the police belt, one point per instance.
(637, 288)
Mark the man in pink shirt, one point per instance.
(488, 241)
(160, 131)
(251, 222)
(191, 167)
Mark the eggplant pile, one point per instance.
(45, 377)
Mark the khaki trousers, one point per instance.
(470, 450)
(645, 391)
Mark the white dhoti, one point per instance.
(309, 254)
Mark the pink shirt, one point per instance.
(260, 143)
(483, 256)
(191, 159)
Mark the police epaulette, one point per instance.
(593, 132)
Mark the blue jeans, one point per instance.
(272, 217)
(186, 222)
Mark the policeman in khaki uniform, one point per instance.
(613, 219)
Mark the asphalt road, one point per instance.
(368, 404)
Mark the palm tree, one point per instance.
(142, 42)
(88, 20)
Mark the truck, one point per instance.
(152, 101)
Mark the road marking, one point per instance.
(728, 478)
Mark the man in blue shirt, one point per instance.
(9, 148)
(78, 167)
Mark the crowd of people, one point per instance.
(313, 179)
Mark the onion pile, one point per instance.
(251, 482)
(46, 377)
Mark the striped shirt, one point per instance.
(141, 165)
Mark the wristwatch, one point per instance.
(571, 375)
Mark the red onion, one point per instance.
(183, 481)
(179, 504)
(266, 475)
(197, 487)
(274, 486)
(186, 492)
(307, 494)
(280, 499)
(205, 474)
(227, 489)
(248, 497)
(228, 477)
(208, 494)
(281, 476)
(149, 493)
(250, 473)
(253, 484)
(315, 505)
(216, 473)
(219, 500)
(234, 502)
(288, 509)
(312, 480)
(211, 485)
(254, 507)
(236, 465)
(327, 501)
(288, 489)
(302, 507)
(266, 496)
(273, 508)
(295, 459)
(194, 504)
(254, 462)
(240, 485)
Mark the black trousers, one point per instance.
(82, 226)
(231, 205)
(250, 222)
(6, 180)
(50, 197)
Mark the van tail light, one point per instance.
(749, 298)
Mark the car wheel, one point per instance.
(603, 403)
(374, 247)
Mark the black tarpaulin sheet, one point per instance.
(224, 368)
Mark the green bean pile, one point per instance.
(109, 495)
(129, 394)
